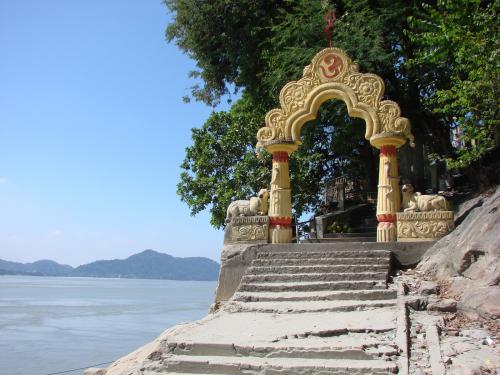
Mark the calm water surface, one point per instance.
(51, 324)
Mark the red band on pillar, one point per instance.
(388, 151)
(386, 225)
(280, 156)
(280, 220)
(386, 218)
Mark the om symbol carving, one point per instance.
(331, 66)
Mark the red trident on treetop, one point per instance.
(330, 22)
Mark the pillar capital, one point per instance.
(387, 139)
(287, 147)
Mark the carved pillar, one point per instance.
(388, 200)
(280, 202)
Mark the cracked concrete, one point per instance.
(442, 342)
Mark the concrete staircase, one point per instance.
(286, 282)
(298, 311)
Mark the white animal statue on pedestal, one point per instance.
(416, 202)
(256, 206)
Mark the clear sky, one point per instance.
(92, 133)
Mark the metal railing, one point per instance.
(304, 230)
(371, 197)
(343, 188)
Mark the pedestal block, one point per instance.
(424, 226)
(248, 229)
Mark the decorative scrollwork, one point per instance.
(251, 232)
(266, 134)
(275, 119)
(368, 87)
(424, 229)
(389, 115)
(310, 78)
(292, 96)
(332, 69)
(388, 112)
(428, 215)
(250, 228)
(424, 225)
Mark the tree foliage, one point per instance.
(222, 164)
(257, 46)
(458, 42)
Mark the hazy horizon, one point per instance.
(120, 258)
(92, 132)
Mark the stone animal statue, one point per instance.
(413, 202)
(255, 206)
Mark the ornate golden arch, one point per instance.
(332, 74)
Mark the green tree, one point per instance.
(225, 38)
(222, 164)
(257, 46)
(458, 44)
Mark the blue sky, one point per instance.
(92, 133)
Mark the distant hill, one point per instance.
(40, 267)
(148, 264)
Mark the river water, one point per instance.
(53, 324)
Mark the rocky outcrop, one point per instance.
(441, 340)
(467, 261)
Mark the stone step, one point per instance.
(363, 351)
(252, 365)
(337, 240)
(292, 277)
(337, 268)
(318, 261)
(310, 254)
(311, 286)
(360, 295)
(365, 226)
(297, 307)
(369, 233)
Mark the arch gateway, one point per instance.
(333, 75)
